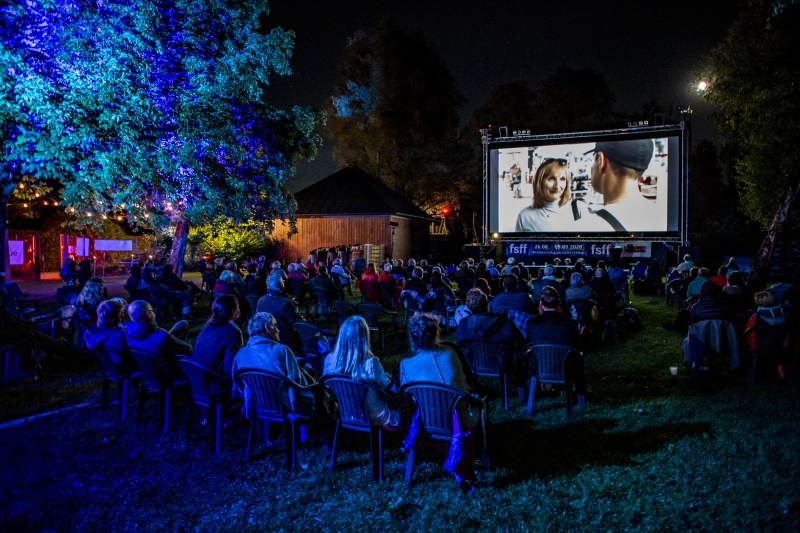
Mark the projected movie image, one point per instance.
(606, 186)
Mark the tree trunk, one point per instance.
(5, 195)
(757, 279)
(179, 246)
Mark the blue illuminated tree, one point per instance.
(164, 102)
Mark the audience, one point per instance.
(107, 335)
(709, 306)
(89, 298)
(694, 286)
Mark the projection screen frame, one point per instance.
(680, 130)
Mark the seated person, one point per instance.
(259, 285)
(220, 338)
(282, 309)
(143, 334)
(84, 272)
(615, 271)
(638, 271)
(323, 282)
(368, 285)
(604, 290)
(391, 282)
(721, 278)
(210, 276)
(160, 293)
(577, 289)
(90, 297)
(278, 272)
(653, 277)
(736, 298)
(709, 306)
(311, 268)
(686, 265)
(694, 287)
(414, 283)
(132, 284)
(551, 327)
(68, 273)
(482, 285)
(176, 284)
(482, 325)
(399, 269)
(298, 281)
(769, 313)
(439, 364)
(440, 286)
(510, 299)
(264, 351)
(522, 282)
(341, 273)
(353, 357)
(108, 335)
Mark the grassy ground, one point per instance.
(651, 452)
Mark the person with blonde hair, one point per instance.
(551, 209)
(353, 357)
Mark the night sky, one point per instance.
(644, 49)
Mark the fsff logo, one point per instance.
(601, 250)
(516, 249)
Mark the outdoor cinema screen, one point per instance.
(602, 184)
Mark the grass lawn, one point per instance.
(651, 452)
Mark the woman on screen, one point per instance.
(551, 209)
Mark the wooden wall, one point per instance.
(410, 237)
(317, 232)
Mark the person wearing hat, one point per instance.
(618, 167)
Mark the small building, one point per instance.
(353, 207)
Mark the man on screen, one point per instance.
(618, 167)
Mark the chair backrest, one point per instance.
(199, 376)
(550, 357)
(620, 284)
(674, 286)
(322, 296)
(484, 356)
(109, 368)
(297, 286)
(252, 300)
(386, 290)
(344, 310)
(265, 390)
(352, 397)
(436, 403)
(308, 336)
(147, 364)
(371, 313)
(770, 340)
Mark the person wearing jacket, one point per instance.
(769, 313)
(143, 334)
(220, 339)
(511, 299)
(264, 351)
(482, 325)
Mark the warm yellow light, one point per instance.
(702, 86)
(44, 203)
(21, 185)
(88, 214)
(496, 235)
(71, 209)
(119, 218)
(24, 205)
(104, 217)
(36, 195)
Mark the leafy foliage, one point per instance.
(394, 113)
(235, 241)
(754, 81)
